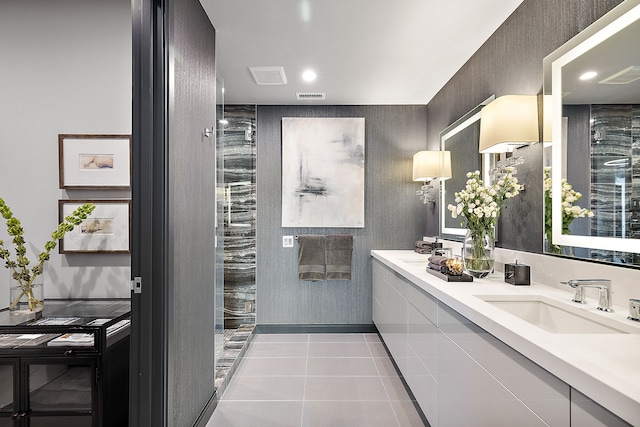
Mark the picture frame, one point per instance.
(323, 164)
(94, 162)
(106, 231)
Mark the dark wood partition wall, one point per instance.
(191, 213)
(172, 361)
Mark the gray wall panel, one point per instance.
(510, 63)
(393, 215)
(191, 219)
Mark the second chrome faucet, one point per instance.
(604, 290)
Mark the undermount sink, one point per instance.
(557, 317)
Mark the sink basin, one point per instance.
(557, 317)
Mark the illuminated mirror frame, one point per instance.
(620, 18)
(455, 128)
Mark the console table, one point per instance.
(70, 367)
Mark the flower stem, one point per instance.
(478, 259)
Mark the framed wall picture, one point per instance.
(107, 230)
(94, 161)
(323, 172)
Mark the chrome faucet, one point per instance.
(603, 286)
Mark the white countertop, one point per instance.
(605, 367)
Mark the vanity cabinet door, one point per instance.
(422, 362)
(540, 390)
(391, 321)
(380, 290)
(468, 393)
(587, 413)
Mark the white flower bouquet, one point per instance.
(479, 206)
(569, 211)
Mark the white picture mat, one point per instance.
(118, 176)
(116, 239)
(329, 153)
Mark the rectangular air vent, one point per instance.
(269, 75)
(626, 76)
(310, 96)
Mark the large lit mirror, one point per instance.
(461, 138)
(592, 84)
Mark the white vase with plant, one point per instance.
(23, 278)
(480, 205)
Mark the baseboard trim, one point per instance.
(317, 329)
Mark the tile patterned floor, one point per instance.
(308, 380)
(234, 342)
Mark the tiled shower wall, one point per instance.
(615, 175)
(239, 150)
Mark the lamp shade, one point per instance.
(509, 122)
(428, 165)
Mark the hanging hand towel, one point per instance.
(311, 257)
(339, 250)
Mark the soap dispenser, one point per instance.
(517, 274)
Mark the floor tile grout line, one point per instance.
(384, 386)
(304, 388)
(374, 355)
(312, 400)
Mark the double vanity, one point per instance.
(490, 353)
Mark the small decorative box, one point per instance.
(517, 274)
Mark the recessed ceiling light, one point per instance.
(309, 76)
(588, 75)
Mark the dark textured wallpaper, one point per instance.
(510, 63)
(393, 215)
(191, 203)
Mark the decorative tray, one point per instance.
(448, 278)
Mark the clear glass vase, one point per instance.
(26, 300)
(477, 252)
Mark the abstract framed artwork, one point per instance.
(323, 172)
(94, 161)
(106, 230)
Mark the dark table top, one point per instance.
(83, 310)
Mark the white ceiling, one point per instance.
(364, 51)
(618, 52)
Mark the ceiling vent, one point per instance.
(310, 96)
(269, 75)
(626, 76)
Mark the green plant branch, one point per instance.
(19, 267)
